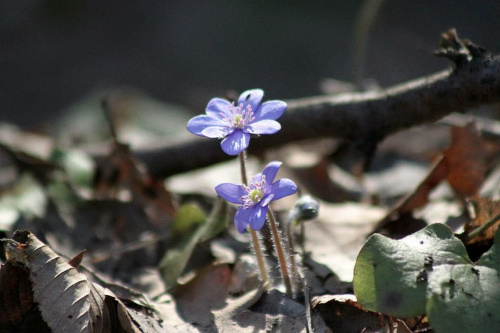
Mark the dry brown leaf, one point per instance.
(334, 240)
(207, 292)
(466, 160)
(120, 176)
(463, 165)
(18, 313)
(418, 197)
(67, 300)
(276, 313)
(77, 259)
(485, 210)
(345, 315)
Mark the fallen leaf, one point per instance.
(465, 160)
(18, 312)
(197, 300)
(463, 165)
(276, 313)
(418, 197)
(119, 176)
(344, 315)
(77, 259)
(67, 300)
(334, 239)
(485, 210)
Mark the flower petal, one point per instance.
(259, 218)
(267, 199)
(216, 106)
(270, 110)
(216, 132)
(251, 97)
(235, 142)
(231, 192)
(255, 215)
(283, 188)
(199, 124)
(241, 219)
(265, 126)
(270, 171)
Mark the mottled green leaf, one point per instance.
(430, 273)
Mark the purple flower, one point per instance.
(254, 198)
(234, 123)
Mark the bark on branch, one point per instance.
(365, 118)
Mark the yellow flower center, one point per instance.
(255, 195)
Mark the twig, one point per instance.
(365, 118)
(481, 229)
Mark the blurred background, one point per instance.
(56, 52)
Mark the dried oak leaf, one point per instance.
(68, 302)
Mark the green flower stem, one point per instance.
(280, 252)
(255, 239)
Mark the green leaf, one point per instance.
(430, 273)
(188, 216)
(176, 259)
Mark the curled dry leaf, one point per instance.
(68, 302)
(77, 259)
(463, 165)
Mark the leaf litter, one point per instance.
(128, 222)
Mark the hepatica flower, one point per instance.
(255, 198)
(235, 122)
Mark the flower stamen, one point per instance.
(239, 116)
(255, 192)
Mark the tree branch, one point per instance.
(365, 118)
